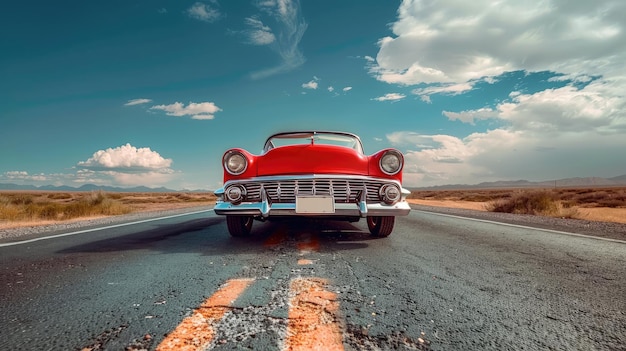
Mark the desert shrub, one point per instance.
(478, 197)
(93, 204)
(4, 200)
(22, 199)
(9, 213)
(94, 198)
(59, 196)
(527, 202)
(48, 211)
(614, 203)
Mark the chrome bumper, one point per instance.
(353, 202)
(265, 210)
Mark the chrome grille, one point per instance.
(284, 191)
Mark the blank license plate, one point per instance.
(315, 204)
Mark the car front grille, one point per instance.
(284, 191)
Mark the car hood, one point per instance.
(312, 159)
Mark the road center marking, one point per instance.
(197, 331)
(313, 322)
(308, 243)
(276, 238)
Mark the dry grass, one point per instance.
(18, 208)
(602, 204)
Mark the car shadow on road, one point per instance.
(209, 236)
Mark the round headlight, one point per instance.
(235, 162)
(390, 194)
(235, 194)
(391, 162)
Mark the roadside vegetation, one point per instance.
(564, 202)
(33, 206)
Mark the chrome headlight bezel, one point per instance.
(390, 194)
(235, 162)
(235, 194)
(391, 162)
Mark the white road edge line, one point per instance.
(524, 227)
(100, 228)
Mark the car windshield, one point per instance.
(323, 138)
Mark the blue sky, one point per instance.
(152, 93)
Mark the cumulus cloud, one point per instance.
(137, 102)
(200, 111)
(390, 97)
(125, 165)
(471, 116)
(281, 26)
(448, 89)
(345, 89)
(575, 128)
(451, 42)
(21, 176)
(204, 12)
(312, 84)
(127, 158)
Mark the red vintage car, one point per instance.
(312, 174)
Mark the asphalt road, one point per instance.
(437, 283)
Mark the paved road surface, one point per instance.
(437, 283)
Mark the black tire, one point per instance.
(239, 226)
(381, 226)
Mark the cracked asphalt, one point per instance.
(437, 283)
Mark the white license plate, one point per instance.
(315, 204)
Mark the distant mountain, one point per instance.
(619, 179)
(91, 187)
(557, 183)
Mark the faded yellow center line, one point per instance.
(197, 331)
(276, 238)
(313, 321)
(309, 244)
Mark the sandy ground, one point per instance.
(144, 207)
(602, 214)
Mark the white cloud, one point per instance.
(390, 97)
(203, 12)
(449, 89)
(552, 134)
(575, 129)
(125, 165)
(530, 148)
(566, 109)
(347, 89)
(23, 176)
(310, 85)
(471, 116)
(259, 34)
(200, 111)
(331, 89)
(127, 158)
(137, 102)
(280, 25)
(453, 42)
